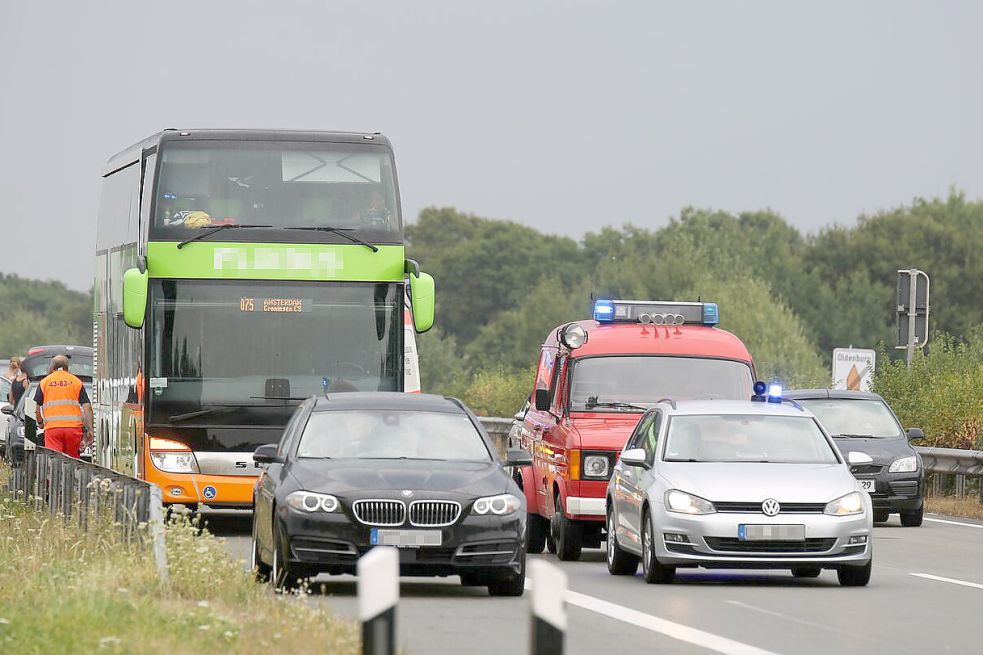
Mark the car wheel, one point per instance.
(537, 531)
(281, 576)
(654, 572)
(912, 519)
(509, 583)
(806, 571)
(619, 561)
(260, 568)
(567, 535)
(854, 576)
(881, 515)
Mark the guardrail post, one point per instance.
(549, 613)
(156, 527)
(378, 595)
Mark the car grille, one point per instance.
(738, 546)
(787, 508)
(434, 513)
(866, 469)
(906, 488)
(380, 512)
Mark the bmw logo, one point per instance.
(770, 507)
(407, 493)
(209, 492)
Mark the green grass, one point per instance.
(64, 591)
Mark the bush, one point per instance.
(498, 391)
(943, 391)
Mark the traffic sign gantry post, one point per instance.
(912, 311)
(549, 612)
(378, 594)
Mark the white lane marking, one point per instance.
(811, 624)
(665, 627)
(947, 522)
(961, 583)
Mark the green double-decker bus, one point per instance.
(238, 272)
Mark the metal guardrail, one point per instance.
(943, 462)
(498, 429)
(77, 490)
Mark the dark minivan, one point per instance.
(863, 422)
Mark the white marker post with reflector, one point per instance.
(378, 595)
(549, 611)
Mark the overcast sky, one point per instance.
(566, 116)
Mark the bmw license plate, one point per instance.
(747, 532)
(868, 486)
(405, 538)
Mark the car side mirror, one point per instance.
(855, 458)
(518, 457)
(635, 457)
(267, 454)
(915, 434)
(7, 409)
(542, 399)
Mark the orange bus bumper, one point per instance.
(187, 488)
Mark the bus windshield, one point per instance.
(625, 383)
(242, 353)
(277, 185)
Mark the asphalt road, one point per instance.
(924, 597)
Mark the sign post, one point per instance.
(912, 311)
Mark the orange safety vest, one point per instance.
(61, 409)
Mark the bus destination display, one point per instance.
(275, 305)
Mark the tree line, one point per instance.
(792, 297)
(36, 312)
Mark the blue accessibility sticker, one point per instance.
(209, 492)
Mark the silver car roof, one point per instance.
(713, 407)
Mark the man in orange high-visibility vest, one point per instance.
(64, 410)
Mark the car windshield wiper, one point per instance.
(217, 228)
(593, 402)
(855, 436)
(341, 231)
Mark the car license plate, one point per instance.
(771, 532)
(406, 538)
(868, 486)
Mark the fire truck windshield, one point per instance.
(616, 383)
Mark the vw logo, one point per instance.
(770, 507)
(406, 493)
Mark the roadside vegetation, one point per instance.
(791, 297)
(39, 312)
(64, 591)
(968, 507)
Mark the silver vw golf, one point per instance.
(736, 484)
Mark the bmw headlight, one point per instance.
(904, 465)
(310, 502)
(684, 503)
(500, 505)
(852, 503)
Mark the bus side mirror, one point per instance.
(134, 297)
(422, 298)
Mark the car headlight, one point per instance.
(310, 502)
(174, 462)
(852, 503)
(904, 465)
(596, 466)
(500, 505)
(684, 503)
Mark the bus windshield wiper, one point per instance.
(217, 228)
(213, 407)
(593, 402)
(341, 231)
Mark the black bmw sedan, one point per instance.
(863, 422)
(418, 472)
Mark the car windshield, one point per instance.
(747, 438)
(869, 418)
(391, 434)
(206, 184)
(600, 383)
(242, 353)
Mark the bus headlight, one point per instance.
(174, 462)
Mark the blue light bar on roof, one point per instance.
(603, 311)
(657, 312)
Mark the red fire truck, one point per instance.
(594, 380)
